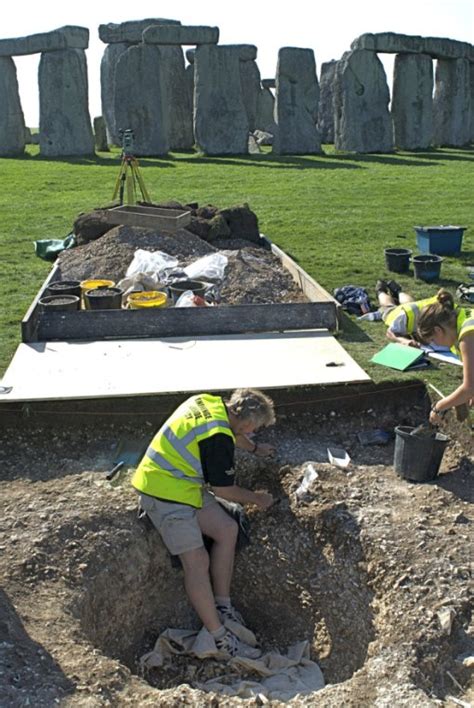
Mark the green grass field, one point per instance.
(334, 214)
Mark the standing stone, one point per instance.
(326, 101)
(471, 81)
(189, 73)
(250, 81)
(452, 103)
(220, 119)
(178, 101)
(65, 124)
(100, 135)
(362, 122)
(412, 101)
(140, 99)
(12, 122)
(296, 105)
(108, 67)
(265, 111)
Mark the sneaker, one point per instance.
(230, 613)
(381, 286)
(232, 646)
(394, 288)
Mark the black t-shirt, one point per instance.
(217, 459)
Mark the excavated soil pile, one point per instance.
(253, 274)
(371, 569)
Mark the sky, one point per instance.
(326, 27)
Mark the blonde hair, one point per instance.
(251, 404)
(440, 314)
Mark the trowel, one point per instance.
(129, 453)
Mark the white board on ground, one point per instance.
(75, 370)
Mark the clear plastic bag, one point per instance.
(309, 475)
(211, 267)
(189, 299)
(152, 263)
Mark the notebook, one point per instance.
(398, 356)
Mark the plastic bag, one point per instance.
(138, 282)
(189, 299)
(210, 267)
(49, 248)
(151, 263)
(309, 475)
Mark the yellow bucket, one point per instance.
(147, 298)
(92, 284)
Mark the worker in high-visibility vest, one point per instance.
(449, 325)
(194, 449)
(400, 312)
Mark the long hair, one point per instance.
(251, 404)
(440, 314)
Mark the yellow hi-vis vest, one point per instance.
(412, 311)
(464, 325)
(171, 468)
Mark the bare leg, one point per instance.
(385, 300)
(198, 587)
(218, 525)
(405, 297)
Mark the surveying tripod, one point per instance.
(129, 175)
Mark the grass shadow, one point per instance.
(351, 332)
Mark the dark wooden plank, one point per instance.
(186, 321)
(29, 324)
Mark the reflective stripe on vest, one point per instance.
(171, 468)
(412, 311)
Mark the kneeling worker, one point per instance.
(194, 448)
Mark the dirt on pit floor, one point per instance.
(252, 275)
(373, 570)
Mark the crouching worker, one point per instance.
(195, 448)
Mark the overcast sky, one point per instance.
(326, 27)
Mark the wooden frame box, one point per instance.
(149, 217)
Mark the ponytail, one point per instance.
(440, 314)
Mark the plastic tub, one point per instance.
(59, 303)
(418, 457)
(178, 288)
(96, 283)
(103, 298)
(427, 267)
(397, 259)
(146, 299)
(442, 240)
(65, 287)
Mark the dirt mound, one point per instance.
(371, 569)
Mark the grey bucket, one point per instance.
(418, 457)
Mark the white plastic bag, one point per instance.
(151, 262)
(309, 475)
(189, 299)
(210, 267)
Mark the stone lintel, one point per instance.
(68, 37)
(131, 31)
(269, 83)
(170, 34)
(393, 43)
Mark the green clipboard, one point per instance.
(397, 356)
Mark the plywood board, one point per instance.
(76, 370)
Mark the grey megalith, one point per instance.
(452, 103)
(100, 134)
(131, 31)
(108, 67)
(12, 122)
(250, 82)
(361, 97)
(471, 82)
(179, 98)
(68, 37)
(172, 34)
(435, 47)
(296, 104)
(412, 101)
(220, 119)
(65, 124)
(140, 101)
(326, 101)
(265, 111)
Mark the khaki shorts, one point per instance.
(386, 310)
(177, 523)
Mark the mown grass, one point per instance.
(334, 214)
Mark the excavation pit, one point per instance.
(372, 570)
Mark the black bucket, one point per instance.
(65, 287)
(418, 457)
(59, 303)
(104, 298)
(180, 286)
(427, 267)
(397, 259)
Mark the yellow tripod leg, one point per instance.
(130, 188)
(117, 183)
(143, 189)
